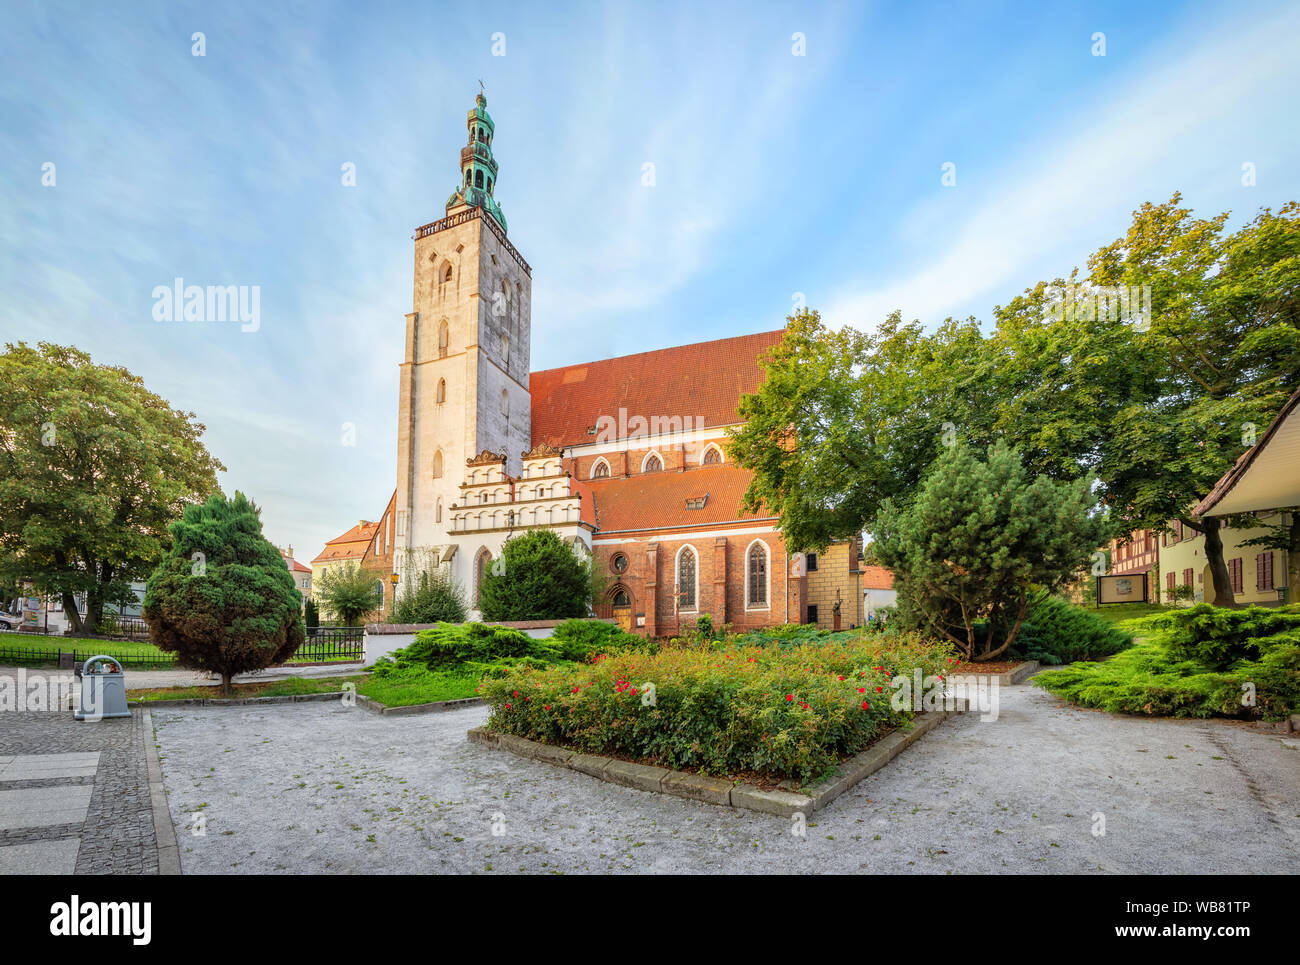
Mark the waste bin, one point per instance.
(103, 690)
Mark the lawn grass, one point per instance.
(1121, 614)
(418, 686)
(289, 687)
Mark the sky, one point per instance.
(798, 154)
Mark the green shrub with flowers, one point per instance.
(783, 711)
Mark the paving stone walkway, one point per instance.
(74, 795)
(313, 788)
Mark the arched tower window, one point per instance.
(438, 517)
(437, 464)
(443, 338)
(686, 578)
(505, 403)
(478, 179)
(446, 275)
(756, 575)
(442, 391)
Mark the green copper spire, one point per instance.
(478, 169)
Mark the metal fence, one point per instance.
(323, 645)
(333, 643)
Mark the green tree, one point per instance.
(537, 577)
(1224, 341)
(222, 598)
(434, 598)
(310, 613)
(350, 592)
(93, 468)
(979, 538)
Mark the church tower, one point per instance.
(464, 378)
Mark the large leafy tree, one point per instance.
(222, 598)
(351, 591)
(538, 577)
(978, 539)
(93, 467)
(1224, 344)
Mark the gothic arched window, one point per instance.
(756, 565)
(437, 464)
(478, 179)
(653, 464)
(712, 456)
(621, 598)
(446, 276)
(686, 579)
(600, 470)
(443, 338)
(442, 391)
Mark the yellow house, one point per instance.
(1256, 572)
(346, 547)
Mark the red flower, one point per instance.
(789, 696)
(879, 689)
(841, 676)
(862, 690)
(507, 706)
(865, 705)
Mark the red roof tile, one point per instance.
(704, 380)
(877, 578)
(657, 500)
(350, 545)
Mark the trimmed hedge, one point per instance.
(1057, 631)
(787, 712)
(1199, 662)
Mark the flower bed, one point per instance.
(785, 712)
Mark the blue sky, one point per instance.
(774, 174)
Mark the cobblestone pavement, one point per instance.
(116, 833)
(321, 788)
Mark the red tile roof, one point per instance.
(657, 500)
(704, 380)
(877, 578)
(299, 567)
(350, 545)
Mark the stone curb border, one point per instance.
(234, 701)
(164, 832)
(715, 790)
(375, 707)
(368, 703)
(1013, 676)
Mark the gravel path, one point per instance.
(317, 787)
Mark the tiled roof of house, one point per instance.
(299, 567)
(877, 578)
(350, 545)
(657, 500)
(704, 381)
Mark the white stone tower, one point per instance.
(464, 378)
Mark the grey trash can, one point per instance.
(103, 690)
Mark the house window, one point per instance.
(812, 614)
(1187, 578)
(757, 565)
(1234, 574)
(812, 562)
(686, 572)
(653, 464)
(1169, 583)
(1264, 571)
